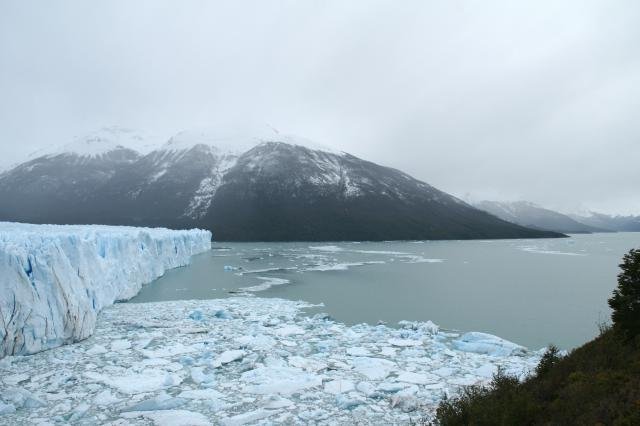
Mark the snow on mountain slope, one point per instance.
(529, 214)
(55, 279)
(613, 223)
(189, 169)
(230, 142)
(239, 140)
(203, 197)
(102, 142)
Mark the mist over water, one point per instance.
(533, 292)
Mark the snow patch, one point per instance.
(101, 142)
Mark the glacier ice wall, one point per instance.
(55, 279)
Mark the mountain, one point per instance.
(614, 223)
(273, 188)
(60, 186)
(533, 216)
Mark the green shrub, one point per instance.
(548, 360)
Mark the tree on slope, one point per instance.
(625, 301)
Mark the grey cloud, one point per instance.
(538, 101)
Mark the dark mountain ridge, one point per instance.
(282, 189)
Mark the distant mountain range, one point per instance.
(533, 216)
(275, 188)
(613, 223)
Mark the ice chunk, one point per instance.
(105, 398)
(97, 350)
(160, 402)
(248, 417)
(391, 387)
(196, 315)
(260, 341)
(147, 381)
(267, 284)
(279, 380)
(289, 330)
(339, 386)
(14, 379)
(22, 398)
(426, 327)
(120, 345)
(168, 351)
(388, 351)
(228, 356)
(358, 351)
(276, 402)
(366, 388)
(406, 399)
(444, 371)
(79, 412)
(229, 268)
(199, 376)
(307, 364)
(171, 417)
(404, 342)
(417, 378)
(330, 249)
(487, 370)
(222, 314)
(347, 402)
(201, 394)
(373, 368)
(488, 344)
(467, 380)
(6, 408)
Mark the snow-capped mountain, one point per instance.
(105, 142)
(614, 223)
(533, 216)
(240, 186)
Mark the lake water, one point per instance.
(533, 292)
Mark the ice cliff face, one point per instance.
(55, 279)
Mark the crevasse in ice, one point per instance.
(55, 279)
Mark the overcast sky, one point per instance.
(495, 100)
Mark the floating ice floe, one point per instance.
(264, 363)
(544, 250)
(268, 282)
(488, 344)
(330, 249)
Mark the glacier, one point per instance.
(54, 279)
(233, 361)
